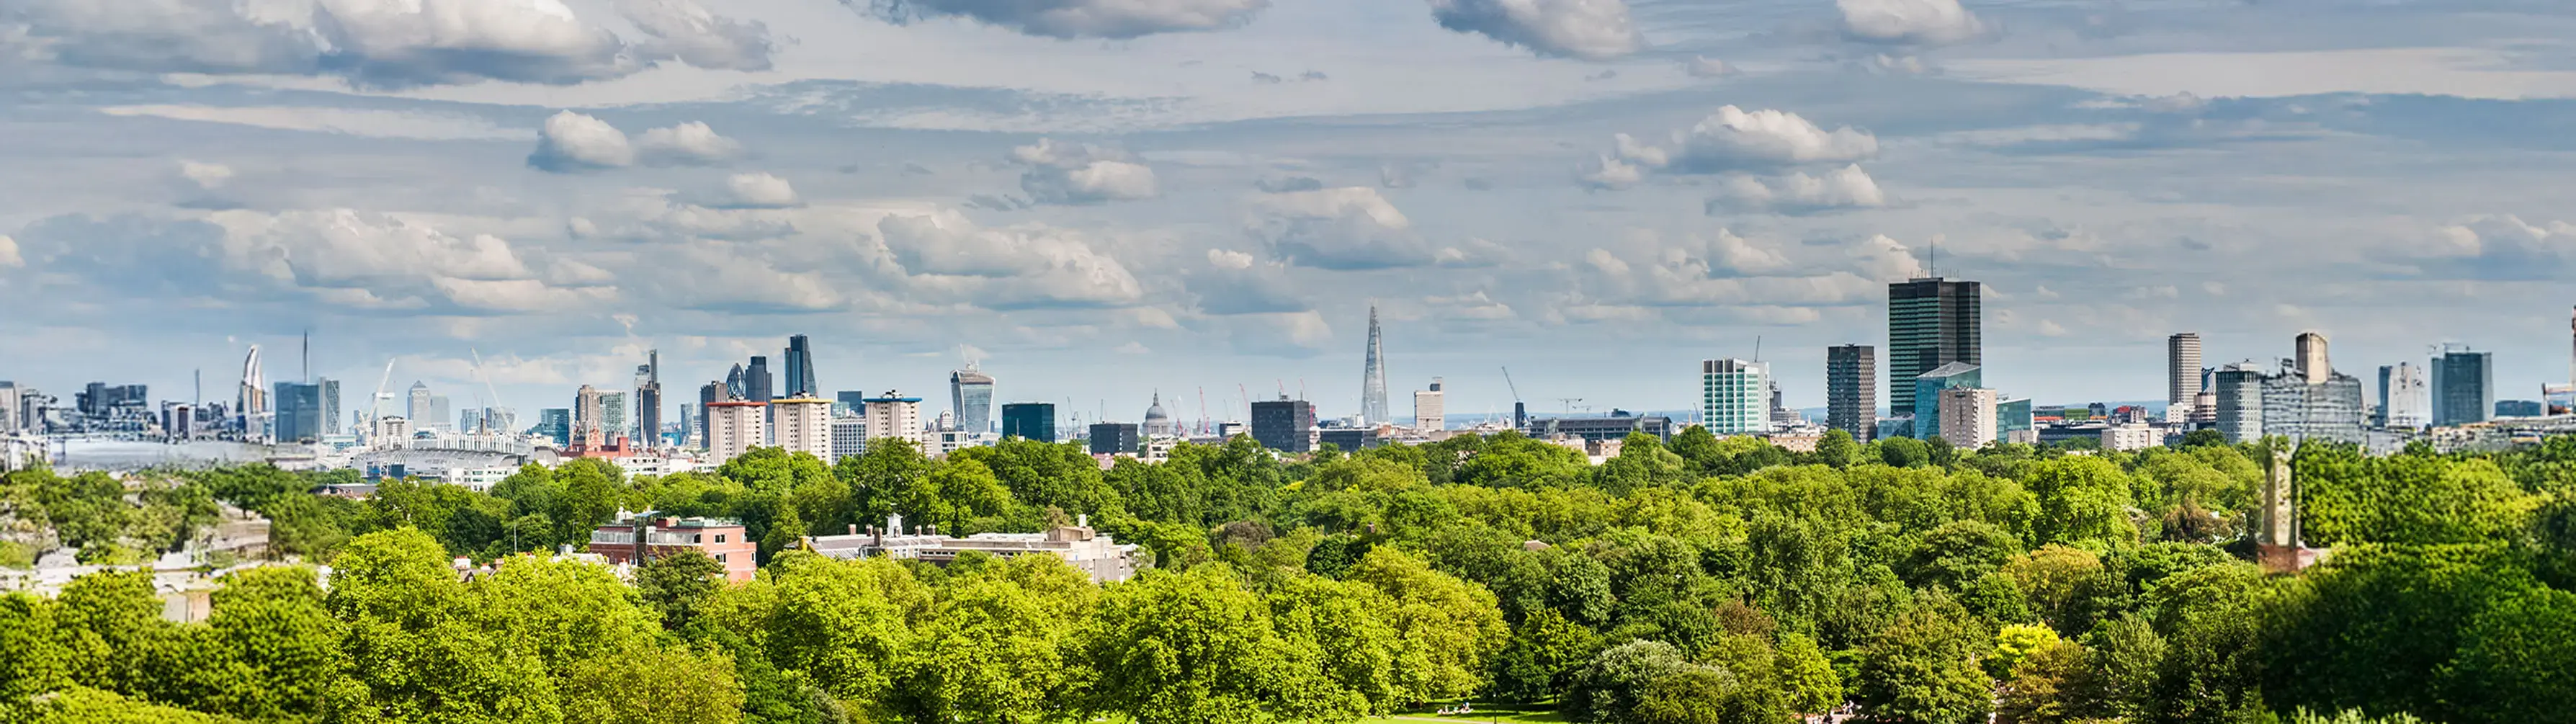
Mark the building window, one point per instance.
(697, 538)
(720, 558)
(720, 537)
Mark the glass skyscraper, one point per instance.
(1930, 322)
(2463, 387)
(1029, 420)
(800, 369)
(299, 412)
(970, 394)
(555, 423)
(1927, 395)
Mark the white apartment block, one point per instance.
(804, 425)
(1968, 416)
(734, 428)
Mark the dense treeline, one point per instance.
(1707, 580)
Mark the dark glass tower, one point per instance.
(800, 369)
(1930, 322)
(756, 381)
(1283, 425)
(713, 392)
(1851, 390)
(1029, 420)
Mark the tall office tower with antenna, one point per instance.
(1931, 322)
(1373, 384)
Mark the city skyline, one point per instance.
(1801, 394)
(1221, 201)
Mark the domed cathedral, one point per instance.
(1157, 421)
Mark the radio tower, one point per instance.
(1373, 387)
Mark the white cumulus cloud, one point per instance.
(1030, 266)
(1074, 173)
(686, 31)
(1612, 174)
(1069, 19)
(2504, 247)
(1734, 139)
(1909, 22)
(1346, 228)
(572, 142)
(760, 190)
(687, 144)
(381, 43)
(1847, 187)
(427, 42)
(1586, 29)
(9, 252)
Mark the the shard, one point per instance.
(1373, 388)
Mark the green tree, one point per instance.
(2516, 661)
(1923, 670)
(1838, 449)
(676, 585)
(2015, 644)
(1611, 686)
(654, 685)
(271, 650)
(995, 649)
(1957, 553)
(1806, 676)
(1195, 647)
(1449, 627)
(2081, 499)
(92, 706)
(1538, 663)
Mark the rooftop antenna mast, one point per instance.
(308, 355)
(1933, 266)
(1757, 348)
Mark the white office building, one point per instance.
(1430, 408)
(1735, 397)
(849, 437)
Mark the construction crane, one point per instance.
(1569, 403)
(1519, 411)
(1203, 418)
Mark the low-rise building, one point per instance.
(635, 538)
(2131, 437)
(1104, 559)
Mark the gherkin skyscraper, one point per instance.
(1373, 387)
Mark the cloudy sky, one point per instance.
(1099, 199)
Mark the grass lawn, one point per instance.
(1506, 713)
